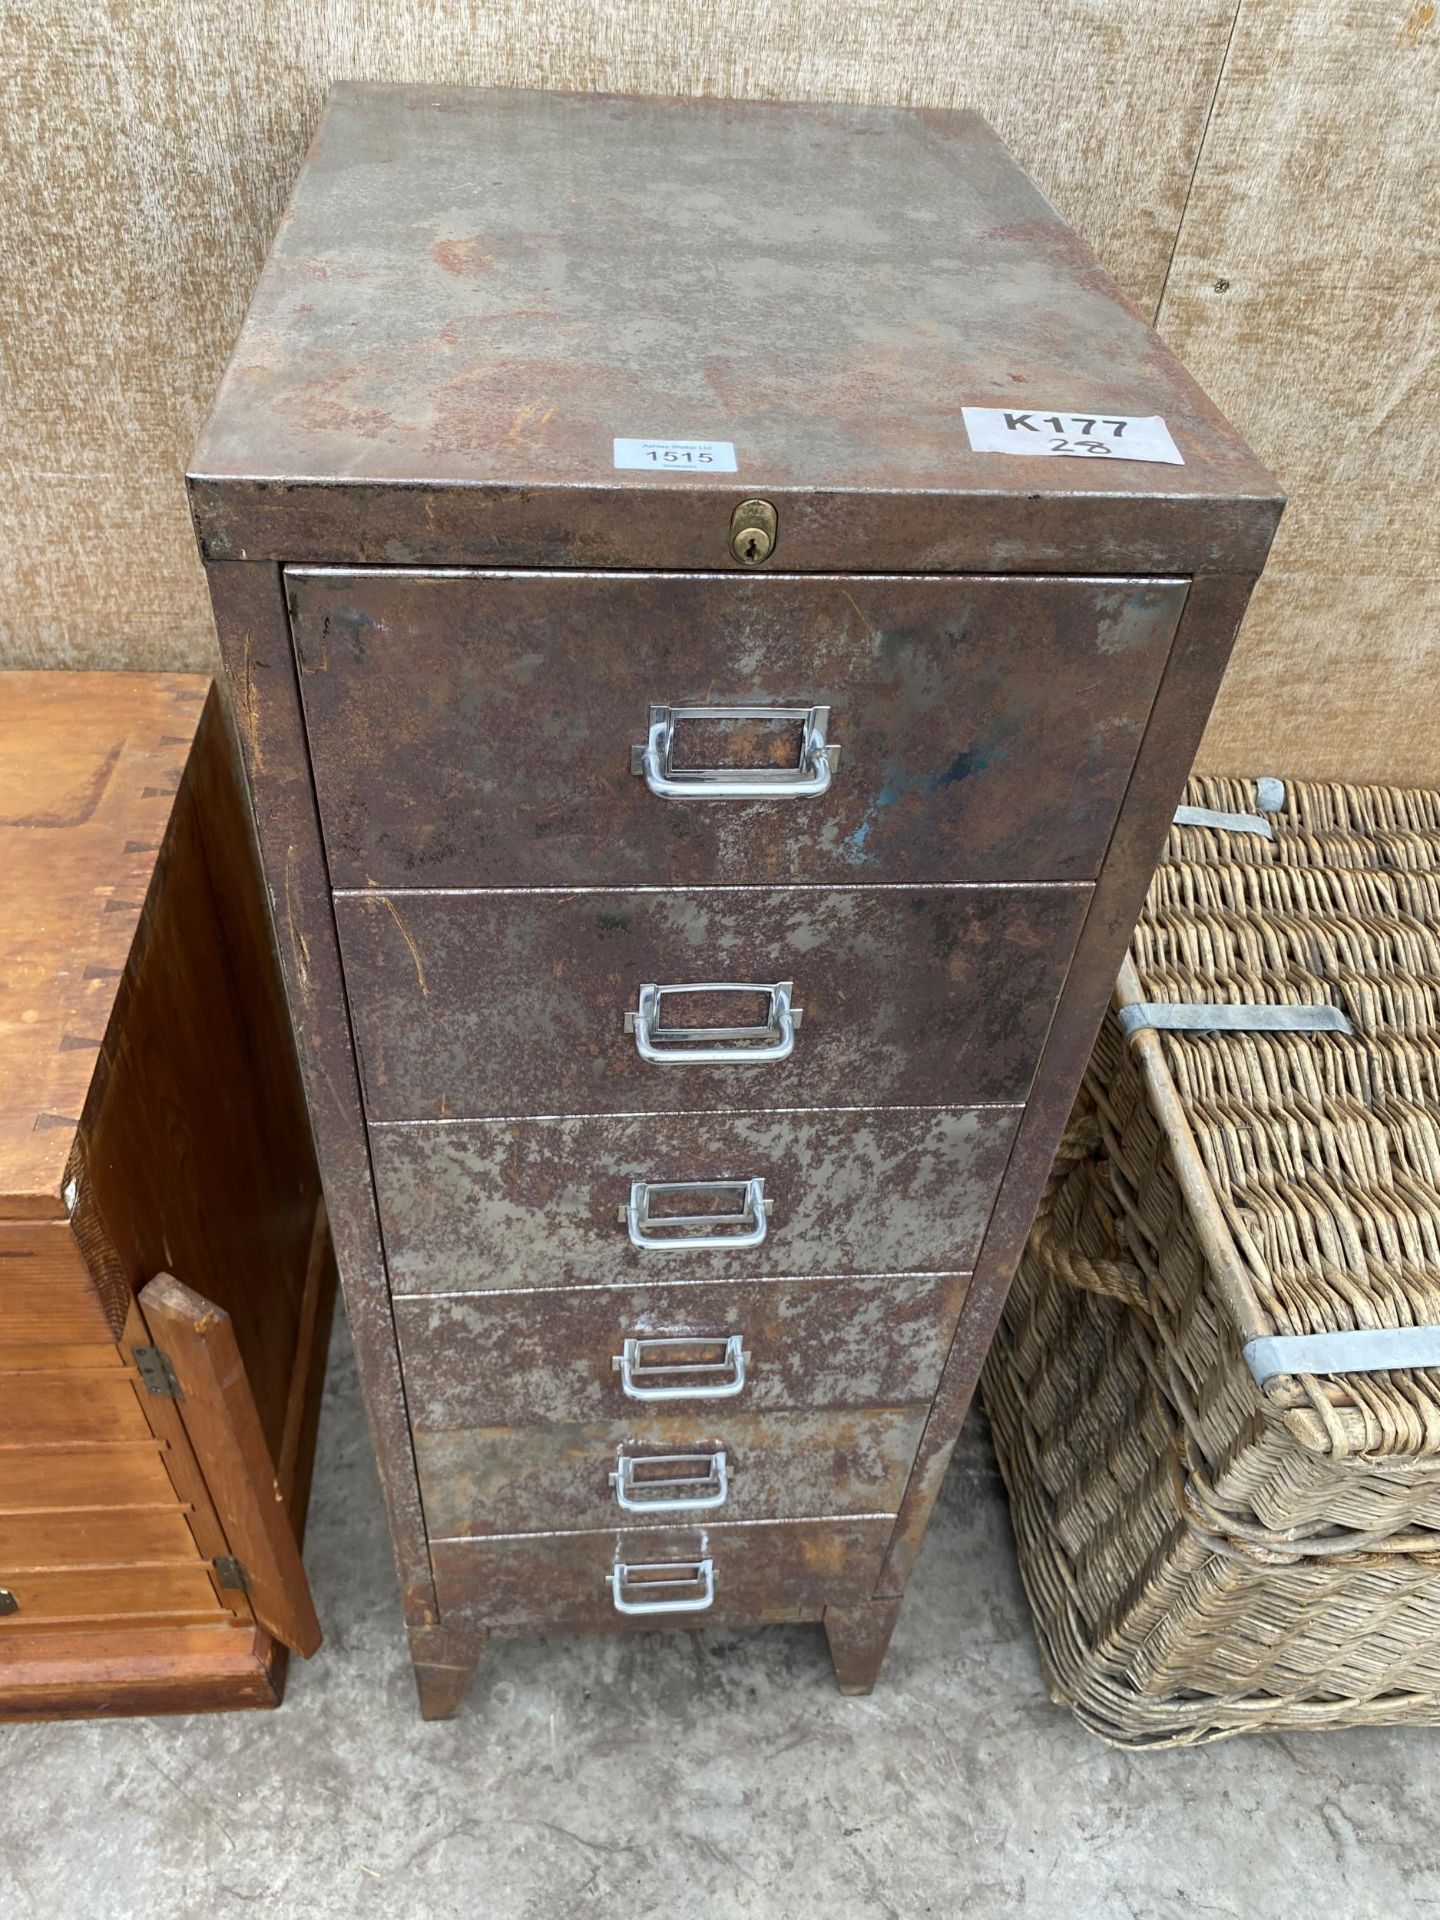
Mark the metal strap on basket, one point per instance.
(1270, 794)
(1225, 822)
(1358, 1350)
(1173, 1016)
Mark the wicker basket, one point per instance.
(1205, 1554)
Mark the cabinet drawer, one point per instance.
(563, 1582)
(783, 1466)
(534, 1203)
(515, 1360)
(476, 729)
(475, 1004)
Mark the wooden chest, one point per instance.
(166, 1278)
(705, 795)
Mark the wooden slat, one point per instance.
(46, 1293)
(91, 1358)
(108, 1593)
(61, 1409)
(45, 1252)
(126, 1537)
(69, 1671)
(101, 1477)
(225, 1432)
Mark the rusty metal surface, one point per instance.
(459, 315)
(858, 1637)
(560, 1582)
(426, 525)
(473, 292)
(255, 645)
(1209, 624)
(476, 729)
(479, 1480)
(477, 1004)
(513, 1360)
(533, 1203)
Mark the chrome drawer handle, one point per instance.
(645, 1373)
(659, 1575)
(810, 775)
(699, 1482)
(695, 1046)
(677, 1237)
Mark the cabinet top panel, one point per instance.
(475, 294)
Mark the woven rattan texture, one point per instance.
(1204, 1556)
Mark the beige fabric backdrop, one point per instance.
(1260, 174)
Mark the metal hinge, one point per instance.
(230, 1573)
(155, 1370)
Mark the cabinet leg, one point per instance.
(444, 1659)
(858, 1637)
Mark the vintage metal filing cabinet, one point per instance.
(705, 795)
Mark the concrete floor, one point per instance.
(698, 1774)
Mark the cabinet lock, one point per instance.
(752, 532)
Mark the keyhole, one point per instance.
(752, 533)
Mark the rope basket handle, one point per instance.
(1076, 1161)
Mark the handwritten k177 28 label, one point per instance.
(677, 456)
(1085, 436)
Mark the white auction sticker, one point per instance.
(1083, 436)
(677, 456)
